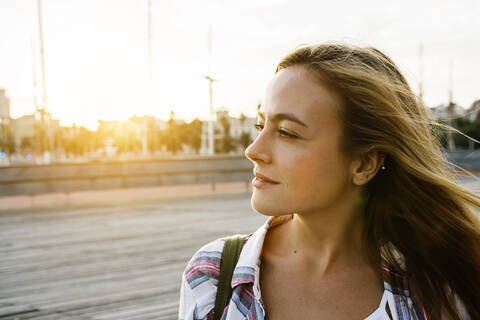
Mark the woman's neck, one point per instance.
(326, 240)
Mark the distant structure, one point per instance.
(35, 133)
(238, 126)
(140, 127)
(26, 131)
(448, 111)
(5, 121)
(208, 132)
(473, 111)
(450, 108)
(143, 126)
(420, 69)
(4, 107)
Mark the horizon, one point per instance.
(188, 120)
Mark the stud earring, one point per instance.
(383, 167)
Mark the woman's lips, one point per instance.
(261, 181)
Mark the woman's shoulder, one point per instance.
(200, 281)
(205, 263)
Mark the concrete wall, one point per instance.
(25, 180)
(29, 180)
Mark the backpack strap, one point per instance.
(230, 255)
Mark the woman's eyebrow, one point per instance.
(283, 116)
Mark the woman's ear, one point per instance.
(365, 167)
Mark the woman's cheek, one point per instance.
(303, 175)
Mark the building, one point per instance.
(4, 107)
(5, 121)
(25, 130)
(150, 120)
(444, 112)
(238, 127)
(7, 143)
(472, 112)
(143, 130)
(146, 128)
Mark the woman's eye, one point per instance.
(284, 133)
(258, 127)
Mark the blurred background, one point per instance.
(123, 125)
(131, 79)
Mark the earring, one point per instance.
(383, 167)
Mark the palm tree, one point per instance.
(245, 139)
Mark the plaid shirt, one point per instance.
(200, 280)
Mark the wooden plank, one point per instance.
(110, 262)
(114, 262)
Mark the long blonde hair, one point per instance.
(415, 206)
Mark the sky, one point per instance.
(97, 66)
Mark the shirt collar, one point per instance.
(247, 269)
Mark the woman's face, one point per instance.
(298, 147)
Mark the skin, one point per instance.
(314, 266)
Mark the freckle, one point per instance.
(295, 251)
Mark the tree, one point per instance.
(227, 143)
(42, 142)
(59, 139)
(104, 132)
(245, 139)
(7, 141)
(467, 127)
(78, 141)
(127, 142)
(171, 136)
(26, 143)
(172, 141)
(225, 125)
(242, 118)
(152, 131)
(191, 134)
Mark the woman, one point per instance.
(366, 222)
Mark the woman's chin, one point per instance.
(268, 207)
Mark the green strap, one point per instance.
(231, 252)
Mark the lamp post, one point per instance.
(211, 149)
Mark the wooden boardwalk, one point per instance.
(110, 262)
(106, 262)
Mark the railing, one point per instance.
(38, 179)
(469, 160)
(31, 180)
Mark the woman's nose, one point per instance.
(258, 150)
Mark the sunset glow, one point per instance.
(96, 53)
